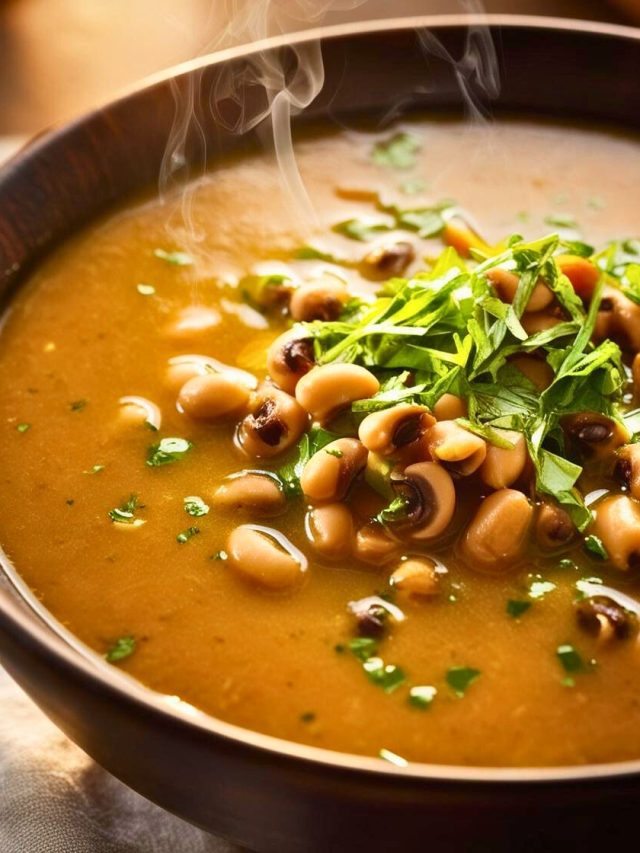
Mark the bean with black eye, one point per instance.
(554, 528)
(596, 435)
(603, 617)
(387, 260)
(628, 468)
(213, 396)
(289, 357)
(430, 500)
(496, 538)
(319, 300)
(391, 429)
(275, 422)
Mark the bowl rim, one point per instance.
(50, 644)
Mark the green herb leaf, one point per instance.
(595, 547)
(167, 451)
(422, 696)
(126, 512)
(78, 405)
(397, 152)
(187, 534)
(219, 555)
(570, 659)
(310, 443)
(561, 220)
(516, 607)
(363, 648)
(178, 259)
(387, 676)
(195, 506)
(459, 678)
(23, 427)
(357, 229)
(121, 649)
(95, 469)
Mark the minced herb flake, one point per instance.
(167, 451)
(516, 607)
(78, 405)
(121, 649)
(95, 469)
(571, 660)
(187, 534)
(23, 427)
(125, 513)
(595, 547)
(195, 506)
(460, 678)
(397, 152)
(422, 696)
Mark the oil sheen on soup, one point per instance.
(365, 479)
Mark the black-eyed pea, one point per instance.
(289, 357)
(329, 473)
(506, 283)
(373, 545)
(596, 435)
(213, 396)
(497, 535)
(617, 525)
(265, 557)
(504, 465)
(449, 407)
(395, 428)
(255, 492)
(330, 530)
(387, 260)
(554, 528)
(275, 422)
(430, 500)
(416, 576)
(319, 300)
(327, 389)
(628, 468)
(460, 450)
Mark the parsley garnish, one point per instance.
(78, 405)
(595, 547)
(387, 676)
(422, 696)
(561, 220)
(178, 259)
(125, 513)
(187, 534)
(398, 152)
(312, 441)
(363, 647)
(357, 229)
(195, 506)
(167, 451)
(515, 607)
(538, 587)
(23, 427)
(121, 649)
(331, 451)
(95, 469)
(459, 678)
(572, 662)
(219, 555)
(307, 717)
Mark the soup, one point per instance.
(404, 526)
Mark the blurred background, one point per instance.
(60, 57)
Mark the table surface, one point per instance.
(52, 797)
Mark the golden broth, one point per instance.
(81, 335)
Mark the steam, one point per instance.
(274, 86)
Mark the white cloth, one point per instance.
(55, 799)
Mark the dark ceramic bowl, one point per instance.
(266, 793)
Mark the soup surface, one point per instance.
(473, 656)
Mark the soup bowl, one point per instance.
(266, 793)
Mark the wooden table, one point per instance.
(59, 57)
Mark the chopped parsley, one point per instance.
(78, 405)
(219, 555)
(387, 676)
(178, 259)
(167, 451)
(307, 717)
(363, 647)
(422, 696)
(572, 662)
(122, 648)
(357, 229)
(566, 563)
(332, 451)
(595, 547)
(23, 427)
(516, 607)
(413, 187)
(460, 678)
(561, 220)
(187, 534)
(195, 506)
(310, 443)
(126, 512)
(397, 152)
